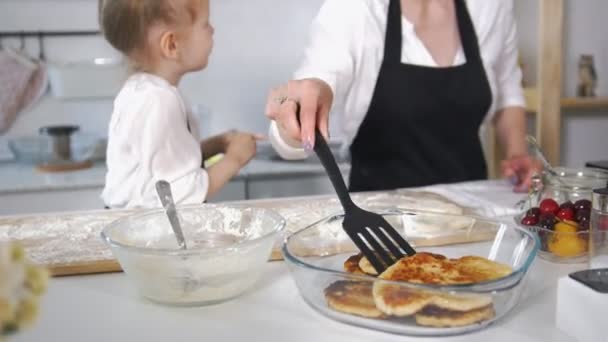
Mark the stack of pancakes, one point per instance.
(429, 308)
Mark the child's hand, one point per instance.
(241, 146)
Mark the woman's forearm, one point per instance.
(511, 130)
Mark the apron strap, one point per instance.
(468, 35)
(394, 32)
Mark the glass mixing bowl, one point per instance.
(227, 250)
(316, 256)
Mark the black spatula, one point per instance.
(381, 244)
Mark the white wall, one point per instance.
(258, 44)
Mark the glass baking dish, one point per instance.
(316, 255)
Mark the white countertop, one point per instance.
(25, 178)
(107, 308)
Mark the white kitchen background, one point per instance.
(258, 45)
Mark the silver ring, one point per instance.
(282, 99)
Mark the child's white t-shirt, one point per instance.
(152, 136)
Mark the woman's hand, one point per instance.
(520, 170)
(314, 98)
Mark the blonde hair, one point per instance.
(125, 23)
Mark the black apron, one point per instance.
(422, 126)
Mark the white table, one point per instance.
(106, 308)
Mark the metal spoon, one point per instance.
(539, 152)
(163, 188)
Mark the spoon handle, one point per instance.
(163, 188)
(539, 152)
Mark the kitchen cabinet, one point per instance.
(233, 191)
(17, 203)
(84, 199)
(290, 186)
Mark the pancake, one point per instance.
(434, 316)
(366, 267)
(481, 269)
(402, 301)
(352, 297)
(351, 265)
(427, 268)
(461, 303)
(399, 300)
(427, 307)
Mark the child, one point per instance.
(152, 133)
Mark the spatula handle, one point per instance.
(331, 167)
(333, 171)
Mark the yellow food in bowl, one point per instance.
(565, 242)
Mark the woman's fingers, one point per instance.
(521, 169)
(283, 112)
(323, 121)
(274, 100)
(309, 102)
(305, 96)
(287, 119)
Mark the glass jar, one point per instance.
(598, 233)
(568, 184)
(558, 209)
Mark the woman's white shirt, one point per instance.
(346, 50)
(152, 136)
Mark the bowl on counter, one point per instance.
(40, 149)
(561, 241)
(558, 210)
(316, 257)
(265, 152)
(227, 250)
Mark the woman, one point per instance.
(415, 81)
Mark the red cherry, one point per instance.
(534, 212)
(566, 214)
(567, 204)
(549, 205)
(582, 204)
(582, 215)
(547, 221)
(529, 220)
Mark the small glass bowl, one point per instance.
(316, 255)
(569, 185)
(227, 250)
(560, 246)
(39, 149)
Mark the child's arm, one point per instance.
(239, 149)
(214, 145)
(221, 173)
(219, 143)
